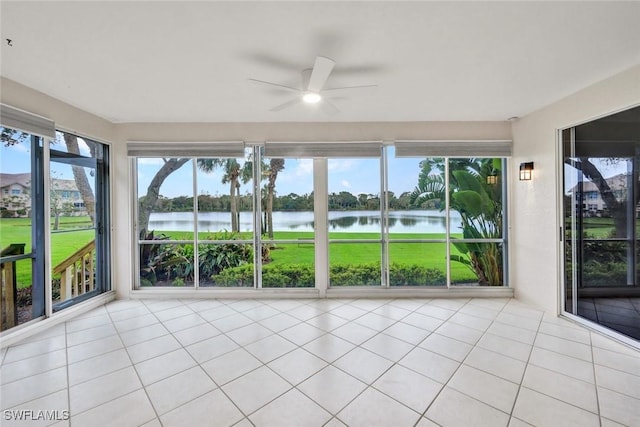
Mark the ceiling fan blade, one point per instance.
(274, 84)
(287, 104)
(332, 89)
(321, 70)
(329, 107)
(305, 76)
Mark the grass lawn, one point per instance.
(63, 244)
(599, 228)
(429, 255)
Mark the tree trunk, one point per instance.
(146, 203)
(238, 208)
(270, 209)
(232, 201)
(275, 166)
(56, 221)
(80, 177)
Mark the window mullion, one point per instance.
(257, 217)
(196, 261)
(447, 221)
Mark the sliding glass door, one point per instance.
(79, 223)
(601, 220)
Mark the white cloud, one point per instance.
(345, 183)
(342, 165)
(304, 168)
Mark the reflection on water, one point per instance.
(423, 221)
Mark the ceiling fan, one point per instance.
(312, 89)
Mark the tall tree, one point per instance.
(148, 201)
(233, 174)
(275, 166)
(80, 176)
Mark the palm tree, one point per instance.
(234, 173)
(275, 166)
(479, 205)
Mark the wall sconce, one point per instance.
(526, 171)
(492, 179)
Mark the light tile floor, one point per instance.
(368, 362)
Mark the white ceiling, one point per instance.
(189, 62)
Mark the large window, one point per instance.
(288, 247)
(417, 223)
(355, 222)
(446, 222)
(195, 221)
(232, 215)
(264, 220)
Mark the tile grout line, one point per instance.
(595, 379)
(66, 357)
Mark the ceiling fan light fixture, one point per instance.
(311, 98)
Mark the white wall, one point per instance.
(534, 237)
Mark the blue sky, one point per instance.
(353, 175)
(17, 159)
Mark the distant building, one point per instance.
(15, 195)
(592, 203)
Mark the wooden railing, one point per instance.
(77, 272)
(8, 310)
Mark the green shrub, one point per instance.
(596, 273)
(415, 275)
(214, 258)
(234, 276)
(355, 274)
(293, 275)
(303, 275)
(174, 263)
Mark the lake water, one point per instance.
(418, 221)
